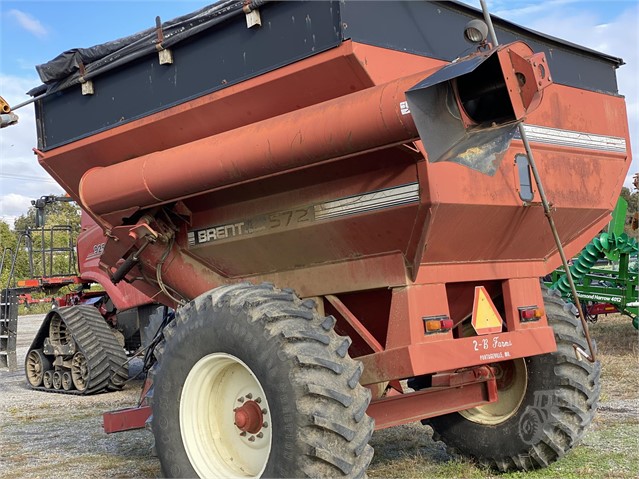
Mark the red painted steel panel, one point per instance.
(433, 357)
(412, 407)
(126, 419)
(91, 243)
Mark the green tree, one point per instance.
(632, 215)
(8, 244)
(52, 245)
(631, 198)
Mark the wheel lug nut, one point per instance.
(258, 400)
(240, 399)
(249, 396)
(252, 438)
(264, 411)
(243, 433)
(264, 424)
(260, 435)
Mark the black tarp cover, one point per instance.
(64, 70)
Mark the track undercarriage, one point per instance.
(76, 352)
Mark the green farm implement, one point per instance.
(605, 273)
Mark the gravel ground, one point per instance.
(55, 435)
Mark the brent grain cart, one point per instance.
(338, 201)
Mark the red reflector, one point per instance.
(530, 313)
(446, 323)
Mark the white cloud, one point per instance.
(12, 206)
(522, 11)
(29, 23)
(21, 176)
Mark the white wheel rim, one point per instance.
(216, 386)
(79, 371)
(35, 368)
(510, 397)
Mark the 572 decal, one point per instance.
(256, 225)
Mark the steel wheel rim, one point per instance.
(35, 368)
(57, 380)
(79, 371)
(58, 331)
(511, 394)
(67, 381)
(224, 418)
(47, 379)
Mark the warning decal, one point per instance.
(486, 319)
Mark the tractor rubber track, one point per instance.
(105, 357)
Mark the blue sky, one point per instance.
(33, 32)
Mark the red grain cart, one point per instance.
(335, 198)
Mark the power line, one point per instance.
(27, 178)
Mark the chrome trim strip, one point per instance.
(576, 139)
(375, 200)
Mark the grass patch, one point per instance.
(610, 448)
(618, 348)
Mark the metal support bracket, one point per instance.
(165, 55)
(253, 18)
(87, 85)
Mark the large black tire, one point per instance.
(539, 433)
(316, 406)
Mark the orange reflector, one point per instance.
(433, 325)
(486, 318)
(539, 313)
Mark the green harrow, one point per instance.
(611, 287)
